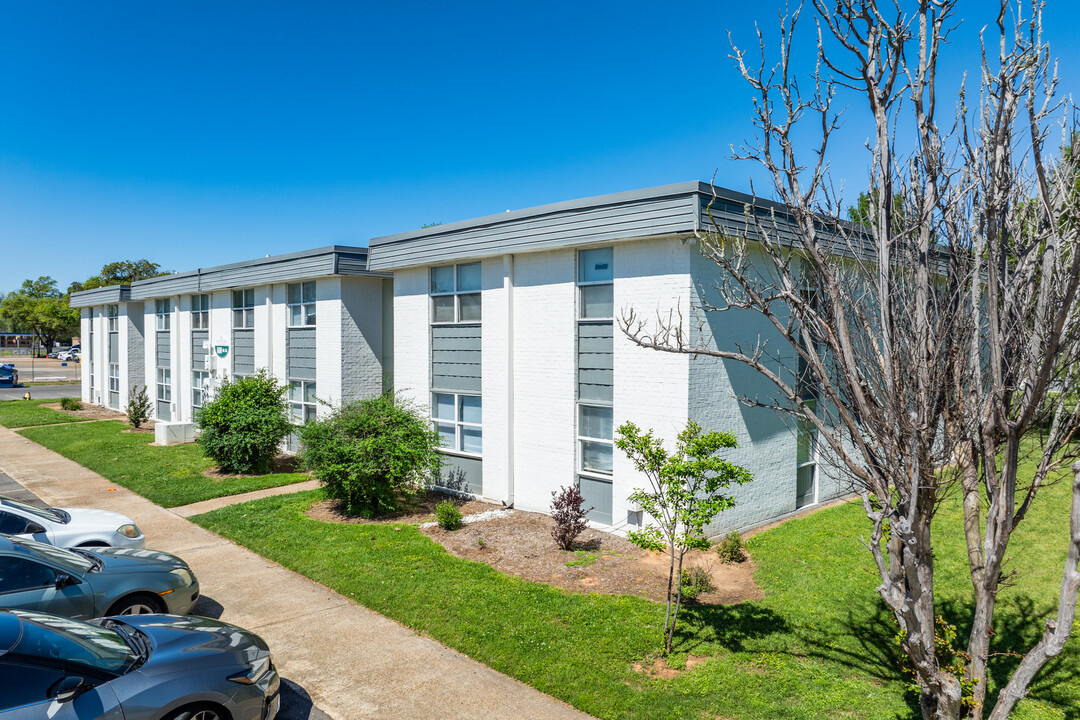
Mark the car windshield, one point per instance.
(45, 513)
(57, 556)
(48, 636)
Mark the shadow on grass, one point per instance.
(729, 625)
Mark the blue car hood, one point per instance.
(176, 639)
(138, 560)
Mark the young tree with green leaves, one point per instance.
(38, 307)
(686, 491)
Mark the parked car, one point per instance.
(69, 527)
(9, 375)
(65, 355)
(150, 667)
(85, 584)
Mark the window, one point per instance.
(302, 402)
(595, 439)
(200, 312)
(455, 293)
(809, 390)
(112, 315)
(19, 574)
(243, 302)
(596, 297)
(301, 302)
(163, 313)
(114, 377)
(164, 385)
(458, 420)
(200, 380)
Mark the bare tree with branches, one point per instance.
(931, 341)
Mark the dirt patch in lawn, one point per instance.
(520, 544)
(92, 412)
(283, 464)
(660, 670)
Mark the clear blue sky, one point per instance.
(199, 133)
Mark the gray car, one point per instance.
(145, 667)
(85, 584)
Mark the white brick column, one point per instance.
(328, 340)
(497, 385)
(412, 336)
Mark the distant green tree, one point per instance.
(38, 307)
(121, 272)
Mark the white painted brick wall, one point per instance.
(182, 360)
(149, 357)
(264, 333)
(412, 339)
(496, 334)
(220, 334)
(650, 386)
(279, 320)
(328, 339)
(86, 319)
(361, 339)
(544, 377)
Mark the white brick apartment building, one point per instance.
(313, 319)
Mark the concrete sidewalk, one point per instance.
(353, 662)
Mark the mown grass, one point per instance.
(169, 476)
(820, 645)
(29, 413)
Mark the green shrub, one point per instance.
(448, 515)
(243, 425)
(731, 549)
(70, 404)
(695, 581)
(373, 455)
(138, 406)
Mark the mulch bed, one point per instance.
(282, 464)
(95, 412)
(521, 545)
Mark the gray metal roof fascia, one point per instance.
(100, 296)
(684, 188)
(143, 289)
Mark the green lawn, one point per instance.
(22, 413)
(818, 646)
(169, 476)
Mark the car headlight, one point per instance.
(184, 574)
(258, 668)
(128, 530)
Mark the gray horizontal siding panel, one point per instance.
(456, 358)
(463, 474)
(243, 352)
(114, 400)
(596, 361)
(164, 412)
(320, 262)
(199, 353)
(163, 349)
(597, 495)
(595, 393)
(452, 383)
(101, 296)
(300, 353)
(643, 218)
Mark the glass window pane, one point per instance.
(249, 298)
(596, 265)
(595, 422)
(597, 301)
(309, 392)
(294, 314)
(294, 293)
(296, 413)
(296, 390)
(471, 441)
(806, 443)
(596, 456)
(442, 308)
(308, 291)
(249, 318)
(238, 318)
(309, 413)
(468, 277)
(470, 307)
(470, 409)
(442, 406)
(238, 298)
(309, 310)
(446, 434)
(442, 279)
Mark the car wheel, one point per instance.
(199, 712)
(141, 604)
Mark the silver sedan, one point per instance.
(69, 527)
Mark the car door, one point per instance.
(26, 694)
(26, 584)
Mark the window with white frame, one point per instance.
(595, 439)
(164, 385)
(458, 420)
(596, 291)
(114, 377)
(243, 305)
(302, 402)
(455, 293)
(301, 302)
(112, 316)
(809, 390)
(595, 416)
(163, 313)
(200, 380)
(200, 312)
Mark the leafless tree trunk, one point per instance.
(940, 332)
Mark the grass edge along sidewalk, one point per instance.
(169, 476)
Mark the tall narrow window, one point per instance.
(459, 421)
(114, 377)
(595, 370)
(112, 315)
(164, 385)
(200, 312)
(301, 302)
(243, 308)
(806, 475)
(200, 380)
(302, 402)
(455, 293)
(163, 313)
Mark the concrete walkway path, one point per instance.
(205, 506)
(353, 662)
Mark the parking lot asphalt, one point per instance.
(347, 661)
(41, 392)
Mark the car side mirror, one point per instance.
(63, 580)
(69, 688)
(32, 528)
